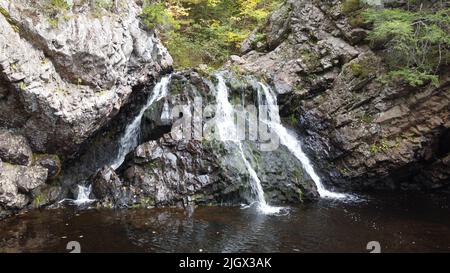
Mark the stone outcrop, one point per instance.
(14, 148)
(62, 78)
(170, 169)
(360, 133)
(166, 173)
(66, 70)
(24, 176)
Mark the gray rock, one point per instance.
(305, 44)
(107, 186)
(66, 81)
(14, 149)
(46, 195)
(359, 133)
(29, 178)
(16, 182)
(171, 171)
(51, 162)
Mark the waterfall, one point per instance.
(228, 132)
(290, 141)
(130, 139)
(83, 195)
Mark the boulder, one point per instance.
(14, 149)
(51, 162)
(16, 184)
(107, 186)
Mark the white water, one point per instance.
(83, 195)
(290, 141)
(228, 132)
(130, 138)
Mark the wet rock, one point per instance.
(167, 172)
(188, 92)
(16, 182)
(284, 179)
(51, 162)
(107, 186)
(29, 178)
(14, 149)
(176, 169)
(46, 195)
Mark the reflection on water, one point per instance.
(399, 223)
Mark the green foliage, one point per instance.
(416, 43)
(292, 120)
(362, 68)
(55, 11)
(38, 200)
(413, 77)
(259, 37)
(385, 145)
(349, 6)
(358, 70)
(353, 9)
(157, 15)
(58, 5)
(103, 4)
(100, 7)
(366, 118)
(22, 86)
(381, 146)
(8, 18)
(205, 31)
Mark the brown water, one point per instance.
(400, 223)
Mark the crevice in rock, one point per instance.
(443, 144)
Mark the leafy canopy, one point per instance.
(205, 31)
(416, 42)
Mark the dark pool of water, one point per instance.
(400, 223)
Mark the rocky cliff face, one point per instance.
(360, 133)
(169, 169)
(65, 72)
(62, 79)
(25, 178)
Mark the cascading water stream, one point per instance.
(82, 197)
(228, 132)
(290, 141)
(130, 138)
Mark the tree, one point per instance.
(416, 42)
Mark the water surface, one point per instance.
(401, 223)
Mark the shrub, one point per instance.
(349, 6)
(55, 10)
(416, 43)
(54, 7)
(410, 76)
(156, 15)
